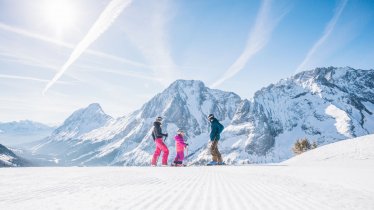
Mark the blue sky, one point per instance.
(60, 55)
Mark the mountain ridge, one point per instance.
(325, 104)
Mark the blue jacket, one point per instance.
(216, 129)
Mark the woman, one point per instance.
(160, 145)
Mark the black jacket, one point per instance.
(157, 132)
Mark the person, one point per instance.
(180, 145)
(216, 129)
(157, 136)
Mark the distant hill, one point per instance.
(9, 159)
(21, 132)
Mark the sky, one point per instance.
(57, 56)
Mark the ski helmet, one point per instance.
(180, 131)
(210, 116)
(159, 119)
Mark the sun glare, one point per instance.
(59, 13)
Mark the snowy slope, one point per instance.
(22, 132)
(320, 184)
(357, 151)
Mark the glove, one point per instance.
(186, 144)
(166, 134)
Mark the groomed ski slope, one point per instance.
(336, 176)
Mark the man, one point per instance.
(157, 136)
(216, 129)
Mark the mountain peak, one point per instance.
(186, 83)
(95, 107)
(82, 121)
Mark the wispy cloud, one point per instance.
(46, 39)
(27, 33)
(149, 32)
(327, 32)
(121, 72)
(257, 39)
(110, 13)
(6, 76)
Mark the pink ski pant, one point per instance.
(160, 146)
(180, 152)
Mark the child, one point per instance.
(179, 146)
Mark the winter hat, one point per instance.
(210, 116)
(158, 119)
(179, 131)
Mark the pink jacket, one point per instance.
(179, 142)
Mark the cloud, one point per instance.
(106, 18)
(43, 38)
(7, 76)
(257, 39)
(148, 29)
(327, 32)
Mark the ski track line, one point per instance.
(259, 194)
(178, 202)
(174, 187)
(210, 202)
(228, 200)
(247, 195)
(264, 191)
(150, 189)
(267, 186)
(300, 199)
(282, 187)
(245, 192)
(194, 201)
(204, 193)
(284, 199)
(181, 188)
(238, 195)
(156, 199)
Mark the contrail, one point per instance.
(329, 28)
(257, 39)
(40, 37)
(106, 18)
(5, 76)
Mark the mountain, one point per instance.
(184, 104)
(21, 132)
(65, 141)
(324, 105)
(9, 159)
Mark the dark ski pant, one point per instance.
(216, 155)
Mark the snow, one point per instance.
(342, 119)
(335, 176)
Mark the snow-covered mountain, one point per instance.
(21, 132)
(184, 104)
(65, 140)
(325, 105)
(9, 159)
